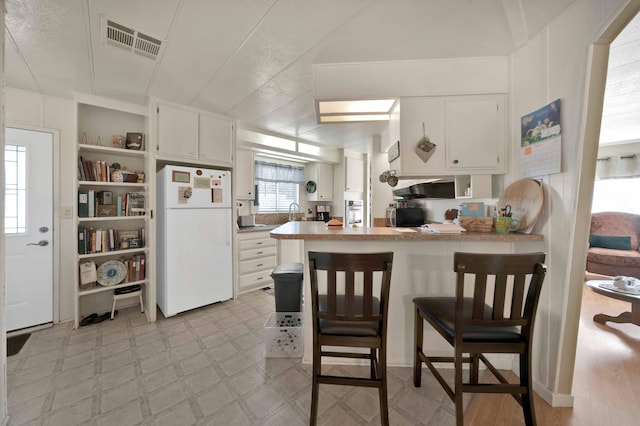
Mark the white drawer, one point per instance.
(256, 243)
(253, 265)
(257, 279)
(258, 252)
(243, 236)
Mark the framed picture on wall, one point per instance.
(394, 151)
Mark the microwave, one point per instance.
(404, 216)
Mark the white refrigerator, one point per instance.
(194, 231)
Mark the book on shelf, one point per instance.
(135, 204)
(96, 171)
(135, 267)
(83, 203)
(92, 203)
(82, 241)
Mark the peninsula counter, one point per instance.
(422, 265)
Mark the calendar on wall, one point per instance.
(541, 141)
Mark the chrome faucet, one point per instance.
(290, 213)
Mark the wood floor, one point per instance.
(606, 384)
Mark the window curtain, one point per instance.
(273, 172)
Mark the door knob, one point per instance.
(40, 243)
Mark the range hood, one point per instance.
(439, 189)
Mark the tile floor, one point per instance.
(204, 367)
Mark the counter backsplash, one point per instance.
(280, 218)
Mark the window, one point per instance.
(278, 186)
(15, 193)
(616, 195)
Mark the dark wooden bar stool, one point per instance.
(496, 316)
(349, 300)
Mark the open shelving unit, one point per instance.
(98, 119)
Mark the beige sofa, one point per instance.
(613, 244)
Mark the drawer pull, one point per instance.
(259, 278)
(259, 243)
(259, 252)
(260, 264)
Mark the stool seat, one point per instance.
(116, 297)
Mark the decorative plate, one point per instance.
(111, 273)
(311, 187)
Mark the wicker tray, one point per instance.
(476, 223)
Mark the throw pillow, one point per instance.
(610, 241)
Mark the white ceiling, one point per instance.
(252, 59)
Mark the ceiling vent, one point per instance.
(130, 39)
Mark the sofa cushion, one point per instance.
(610, 241)
(616, 223)
(613, 258)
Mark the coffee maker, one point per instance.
(323, 213)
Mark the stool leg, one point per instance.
(113, 308)
(141, 305)
(417, 350)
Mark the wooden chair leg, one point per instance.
(372, 363)
(417, 361)
(382, 391)
(315, 386)
(474, 366)
(525, 380)
(458, 388)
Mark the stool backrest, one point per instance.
(356, 297)
(510, 274)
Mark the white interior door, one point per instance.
(28, 227)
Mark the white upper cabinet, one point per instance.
(420, 118)
(354, 175)
(466, 135)
(216, 134)
(475, 133)
(322, 175)
(244, 175)
(177, 132)
(187, 134)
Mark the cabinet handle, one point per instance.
(259, 278)
(260, 264)
(455, 161)
(259, 252)
(259, 243)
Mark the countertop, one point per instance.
(258, 227)
(320, 231)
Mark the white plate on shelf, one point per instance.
(111, 273)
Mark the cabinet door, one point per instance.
(325, 182)
(475, 134)
(420, 117)
(244, 169)
(354, 175)
(177, 132)
(215, 139)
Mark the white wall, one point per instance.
(3, 324)
(32, 109)
(553, 64)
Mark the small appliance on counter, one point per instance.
(323, 213)
(404, 216)
(353, 212)
(246, 221)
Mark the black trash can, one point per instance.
(287, 280)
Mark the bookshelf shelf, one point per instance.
(97, 224)
(112, 184)
(112, 253)
(111, 151)
(97, 288)
(110, 218)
